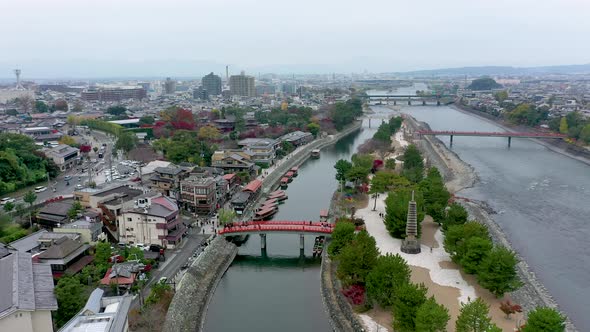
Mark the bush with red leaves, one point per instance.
(85, 148)
(355, 294)
(510, 308)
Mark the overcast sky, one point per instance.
(59, 38)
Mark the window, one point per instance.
(129, 219)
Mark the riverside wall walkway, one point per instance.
(189, 305)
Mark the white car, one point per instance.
(40, 189)
(7, 200)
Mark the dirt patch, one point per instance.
(498, 317)
(382, 316)
(429, 227)
(447, 296)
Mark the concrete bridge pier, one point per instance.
(409, 102)
(369, 122)
(394, 102)
(301, 241)
(263, 242)
(438, 102)
(423, 102)
(509, 141)
(451, 141)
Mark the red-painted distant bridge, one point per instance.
(277, 226)
(507, 134)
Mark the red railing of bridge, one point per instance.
(491, 134)
(278, 226)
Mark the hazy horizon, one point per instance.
(79, 39)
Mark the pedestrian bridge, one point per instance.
(277, 226)
(262, 228)
(508, 134)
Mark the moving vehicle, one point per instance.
(7, 200)
(40, 189)
(67, 178)
(79, 186)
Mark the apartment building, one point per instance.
(198, 194)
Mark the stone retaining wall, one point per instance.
(189, 305)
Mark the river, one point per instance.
(542, 200)
(282, 291)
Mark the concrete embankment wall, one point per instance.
(532, 294)
(189, 305)
(342, 317)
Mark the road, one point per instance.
(175, 259)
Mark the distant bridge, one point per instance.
(282, 227)
(410, 98)
(453, 133)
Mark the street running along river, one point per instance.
(281, 292)
(541, 199)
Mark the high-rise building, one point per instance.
(212, 83)
(242, 85)
(113, 93)
(169, 86)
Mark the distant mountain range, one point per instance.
(500, 70)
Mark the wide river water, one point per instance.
(542, 200)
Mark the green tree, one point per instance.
(501, 95)
(41, 107)
(390, 273)
(314, 129)
(362, 161)
(455, 215)
(381, 182)
(585, 134)
(396, 211)
(457, 237)
(357, 174)
(476, 250)
(102, 253)
(30, 197)
(8, 207)
(474, 317)
(73, 211)
(342, 167)
(70, 299)
(484, 83)
(126, 142)
(497, 271)
(435, 194)
(563, 128)
(357, 259)
(407, 301)
(117, 110)
(146, 120)
(413, 164)
(546, 320)
(342, 235)
(226, 216)
(432, 317)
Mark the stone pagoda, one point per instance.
(411, 244)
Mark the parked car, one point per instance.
(79, 186)
(7, 200)
(163, 280)
(67, 178)
(40, 189)
(141, 246)
(157, 248)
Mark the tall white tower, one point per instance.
(19, 86)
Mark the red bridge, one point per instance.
(452, 133)
(285, 227)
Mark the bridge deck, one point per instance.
(490, 134)
(295, 227)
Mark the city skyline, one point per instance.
(106, 39)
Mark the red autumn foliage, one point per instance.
(355, 294)
(510, 308)
(85, 148)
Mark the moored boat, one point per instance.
(295, 170)
(284, 183)
(289, 176)
(279, 196)
(324, 215)
(265, 214)
(315, 153)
